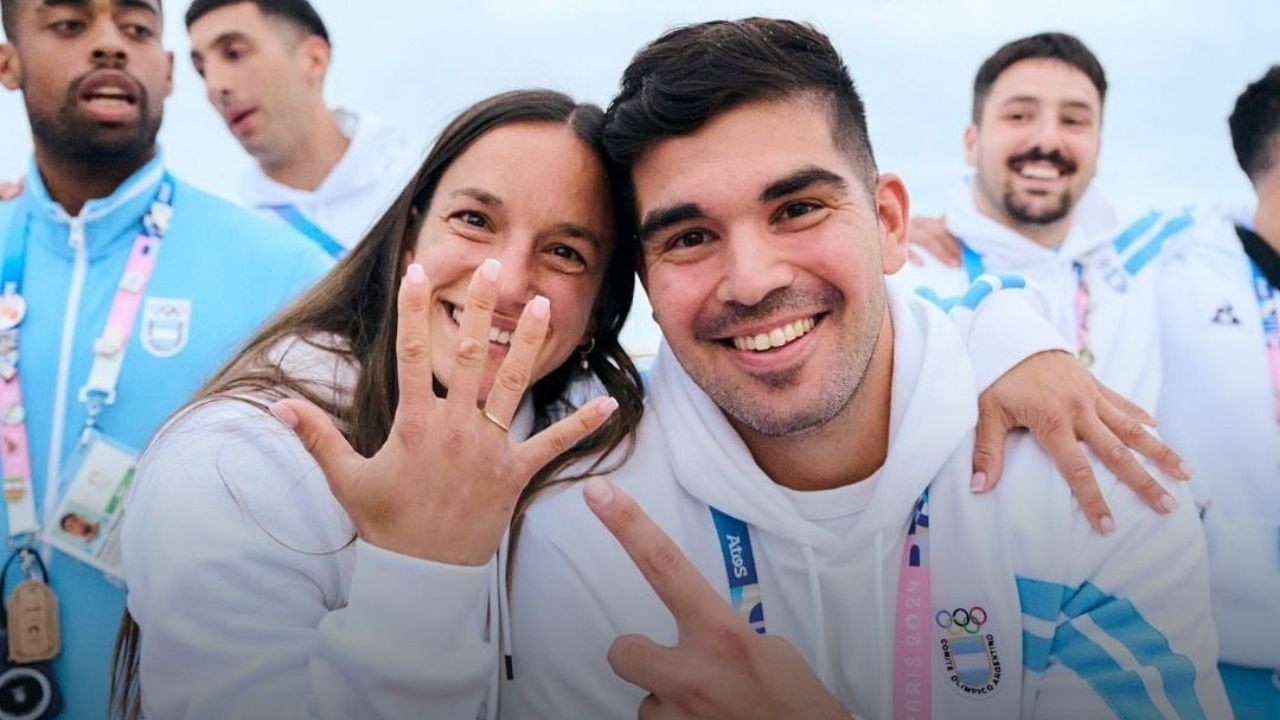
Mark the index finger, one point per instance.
(679, 585)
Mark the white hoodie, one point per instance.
(1216, 408)
(1117, 254)
(1082, 625)
(366, 179)
(255, 603)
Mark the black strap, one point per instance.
(1262, 255)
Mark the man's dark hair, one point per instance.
(678, 82)
(1043, 46)
(298, 12)
(1255, 125)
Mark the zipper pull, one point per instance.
(76, 238)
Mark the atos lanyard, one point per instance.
(974, 266)
(912, 681)
(108, 350)
(1269, 306)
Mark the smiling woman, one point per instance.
(453, 331)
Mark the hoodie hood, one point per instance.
(1093, 223)
(933, 405)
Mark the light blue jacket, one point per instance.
(234, 269)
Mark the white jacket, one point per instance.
(370, 174)
(1082, 626)
(254, 601)
(1117, 254)
(1216, 408)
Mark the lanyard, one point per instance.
(294, 217)
(974, 266)
(1269, 306)
(912, 682)
(108, 351)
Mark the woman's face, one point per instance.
(534, 196)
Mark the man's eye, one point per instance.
(139, 32)
(568, 253)
(690, 239)
(796, 209)
(67, 27)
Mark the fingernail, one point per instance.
(415, 275)
(1168, 503)
(285, 414)
(1185, 470)
(607, 406)
(490, 268)
(598, 492)
(1106, 525)
(540, 307)
(978, 482)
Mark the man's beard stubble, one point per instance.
(83, 142)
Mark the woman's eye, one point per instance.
(474, 219)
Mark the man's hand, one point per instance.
(10, 190)
(932, 235)
(1063, 404)
(720, 669)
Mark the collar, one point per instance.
(1262, 254)
(106, 220)
(358, 168)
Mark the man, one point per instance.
(127, 287)
(1030, 208)
(1220, 401)
(820, 480)
(328, 173)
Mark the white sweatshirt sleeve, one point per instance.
(1129, 627)
(255, 601)
(1004, 320)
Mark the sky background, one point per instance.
(1174, 68)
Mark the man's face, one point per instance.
(260, 73)
(764, 255)
(1036, 147)
(93, 75)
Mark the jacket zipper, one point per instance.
(53, 474)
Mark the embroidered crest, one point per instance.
(166, 325)
(969, 655)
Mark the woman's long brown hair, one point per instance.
(355, 306)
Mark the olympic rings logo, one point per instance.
(961, 621)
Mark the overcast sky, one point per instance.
(1174, 66)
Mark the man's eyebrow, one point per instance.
(484, 197)
(59, 3)
(134, 4)
(659, 219)
(800, 180)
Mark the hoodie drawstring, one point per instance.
(819, 621)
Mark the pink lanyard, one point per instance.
(1269, 307)
(912, 680)
(15, 452)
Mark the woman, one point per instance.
(262, 591)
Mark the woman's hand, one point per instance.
(444, 485)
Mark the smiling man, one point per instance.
(814, 549)
(126, 288)
(1031, 208)
(328, 173)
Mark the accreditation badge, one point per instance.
(87, 523)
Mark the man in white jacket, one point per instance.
(1220, 331)
(807, 446)
(329, 173)
(1031, 207)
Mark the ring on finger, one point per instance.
(490, 417)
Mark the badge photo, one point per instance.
(166, 326)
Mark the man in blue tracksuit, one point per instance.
(127, 287)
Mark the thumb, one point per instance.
(988, 449)
(322, 440)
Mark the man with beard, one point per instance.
(327, 173)
(1029, 209)
(123, 288)
(814, 549)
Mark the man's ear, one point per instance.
(168, 79)
(10, 66)
(971, 145)
(315, 54)
(893, 211)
